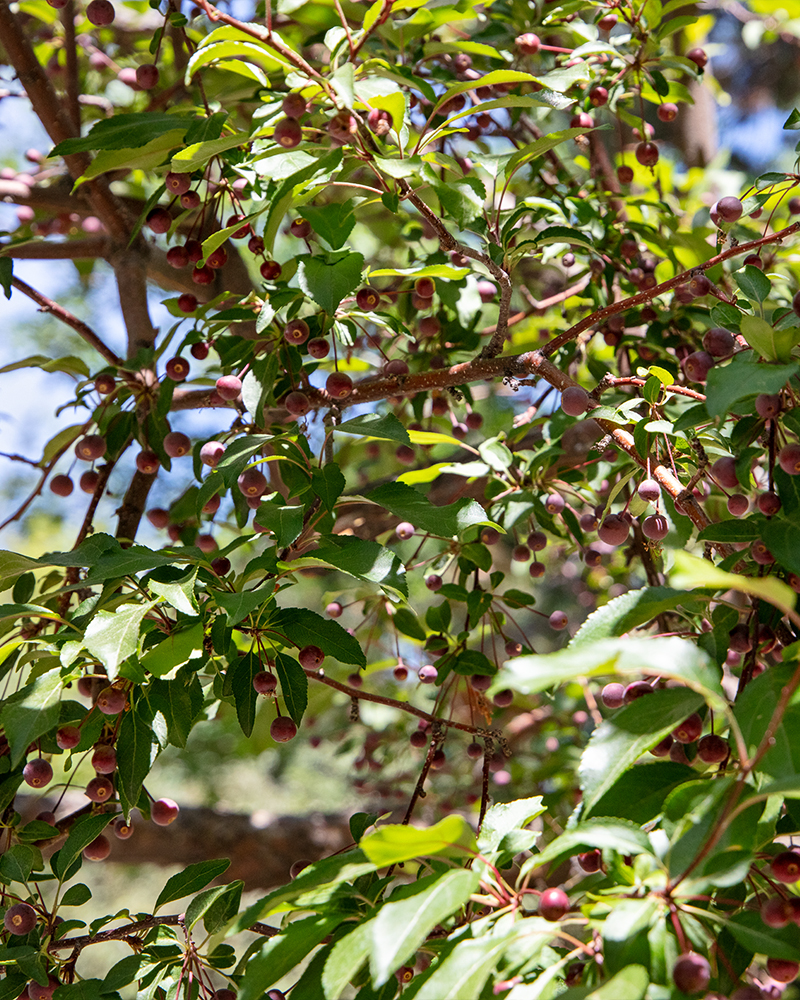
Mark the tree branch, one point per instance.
(132, 508)
(85, 331)
(81, 249)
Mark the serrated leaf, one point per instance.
(306, 628)
(135, 752)
(113, 636)
(327, 278)
(328, 484)
(294, 686)
(281, 954)
(363, 559)
(82, 832)
(753, 283)
(239, 605)
(346, 958)
(690, 572)
(393, 843)
(384, 426)
(125, 131)
(465, 970)
(175, 650)
(626, 612)
(178, 593)
(192, 879)
(401, 927)
(505, 818)
(407, 503)
(603, 832)
(31, 712)
(745, 376)
(620, 741)
(241, 674)
(750, 930)
(333, 222)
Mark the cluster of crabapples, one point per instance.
(109, 701)
(283, 728)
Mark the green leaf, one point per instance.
(611, 834)
(112, 636)
(124, 972)
(363, 559)
(691, 572)
(401, 927)
(428, 271)
(539, 147)
(285, 522)
(506, 818)
(199, 153)
(753, 283)
(328, 277)
(333, 222)
(733, 530)
(204, 900)
(245, 696)
(465, 970)
(81, 834)
(346, 958)
(144, 157)
(639, 793)
(76, 895)
(384, 426)
(192, 879)
(328, 484)
(279, 955)
(745, 376)
(239, 605)
(173, 651)
(407, 503)
(6, 275)
(754, 710)
(135, 751)
(13, 565)
(780, 537)
(294, 685)
(125, 131)
(178, 593)
(626, 612)
(564, 234)
(750, 930)
(393, 843)
(31, 712)
(771, 343)
(17, 863)
(306, 628)
(620, 741)
(670, 657)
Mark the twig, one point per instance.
(88, 249)
(85, 331)
(70, 47)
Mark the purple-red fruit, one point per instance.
(164, 811)
(147, 463)
(768, 406)
(553, 904)
(104, 759)
(613, 530)
(697, 366)
(649, 490)
(62, 485)
(296, 332)
(98, 850)
(729, 209)
(689, 730)
(100, 13)
(558, 621)
(229, 386)
(99, 790)
(667, 112)
(177, 444)
(318, 348)
(297, 403)
(591, 861)
(147, 76)
(91, 447)
(310, 657)
(613, 695)
(646, 153)
(698, 57)
(712, 749)
(655, 527)
(638, 689)
(367, 299)
(691, 973)
(338, 385)
(724, 471)
(211, 453)
(782, 970)
(738, 504)
(20, 919)
(187, 302)
(428, 674)
(789, 459)
(252, 483)
(405, 530)
(265, 682)
(574, 400)
(719, 342)
(123, 829)
(288, 133)
(177, 369)
(503, 698)
(68, 737)
(37, 773)
(111, 700)
(283, 729)
(786, 867)
(294, 105)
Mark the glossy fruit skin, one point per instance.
(591, 861)
(288, 133)
(786, 867)
(667, 112)
(111, 701)
(613, 695)
(504, 698)
(781, 970)
(528, 43)
(405, 530)
(768, 503)
(252, 483)
(297, 403)
(697, 366)
(296, 332)
(105, 384)
(730, 209)
(789, 459)
(187, 302)
(338, 385)
(229, 386)
(221, 566)
(655, 527)
(664, 748)
(265, 682)
(178, 183)
(99, 789)
(724, 471)
(270, 270)
(310, 657)
(164, 811)
(712, 749)
(211, 453)
(98, 850)
(689, 730)
(768, 406)
(719, 342)
(558, 621)
(691, 973)
(19, 919)
(553, 904)
(613, 530)
(638, 689)
(147, 463)
(147, 76)
(418, 739)
(428, 674)
(104, 760)
(624, 174)
(91, 447)
(574, 400)
(61, 485)
(177, 444)
(122, 830)
(698, 57)
(68, 737)
(647, 154)
(367, 299)
(283, 729)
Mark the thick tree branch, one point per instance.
(132, 508)
(88, 334)
(81, 249)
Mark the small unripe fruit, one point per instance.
(159, 220)
(164, 811)
(221, 566)
(62, 486)
(20, 919)
(688, 731)
(147, 76)
(288, 133)
(318, 348)
(782, 970)
(297, 403)
(613, 695)
(178, 183)
(553, 904)
(691, 973)
(105, 384)
(283, 729)
(698, 57)
(252, 483)
(712, 749)
(296, 332)
(761, 554)
(719, 342)
(177, 444)
(310, 657)
(647, 154)
(667, 112)
(434, 582)
(99, 790)
(624, 174)
(190, 201)
(786, 867)
(768, 503)
(738, 504)
(649, 490)
(68, 737)
(294, 105)
(211, 453)
(655, 527)
(147, 463)
(301, 228)
(270, 270)
(265, 682)
(789, 459)
(428, 674)
(100, 13)
(203, 275)
(558, 621)
(697, 366)
(724, 471)
(229, 386)
(104, 759)
(768, 406)
(91, 447)
(405, 530)
(178, 257)
(338, 385)
(598, 96)
(529, 44)
(187, 302)
(367, 299)
(158, 517)
(37, 773)
(729, 209)
(111, 701)
(591, 861)
(554, 503)
(613, 530)
(334, 610)
(574, 400)
(123, 829)
(418, 739)
(504, 698)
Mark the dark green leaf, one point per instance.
(385, 426)
(328, 484)
(76, 895)
(754, 709)
(82, 833)
(30, 712)
(241, 675)
(328, 278)
(192, 879)
(302, 627)
(294, 685)
(281, 954)
(125, 131)
(123, 972)
(406, 621)
(407, 503)
(750, 930)
(284, 522)
(239, 605)
(733, 530)
(753, 283)
(745, 376)
(135, 750)
(639, 794)
(624, 613)
(363, 559)
(333, 222)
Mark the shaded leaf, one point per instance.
(306, 628)
(192, 879)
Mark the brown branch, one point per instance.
(646, 296)
(131, 274)
(85, 331)
(386, 10)
(117, 933)
(71, 50)
(132, 508)
(82, 249)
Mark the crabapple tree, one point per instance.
(499, 498)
